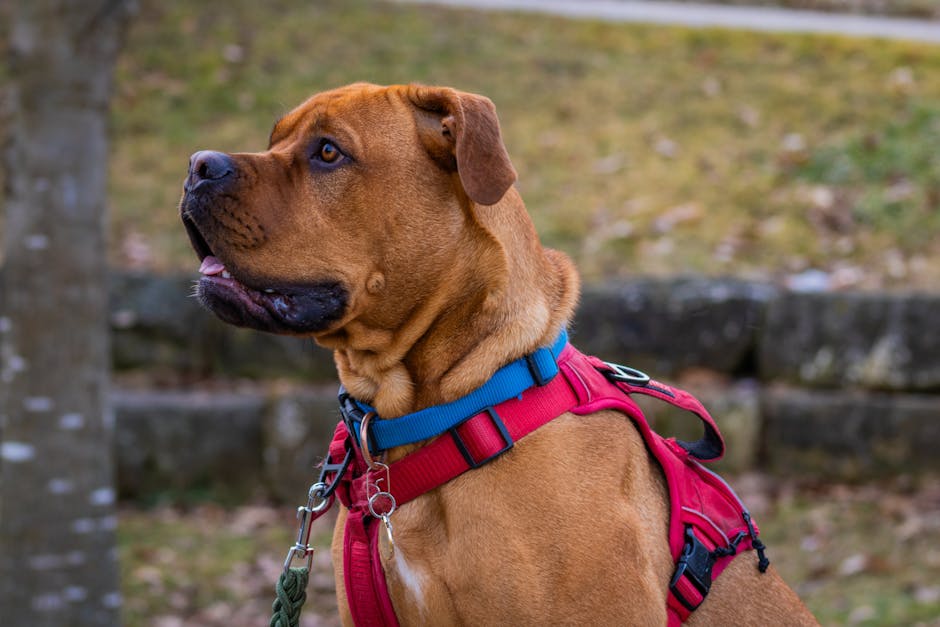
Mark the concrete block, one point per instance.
(873, 341)
(664, 326)
(158, 325)
(184, 441)
(735, 408)
(849, 434)
(297, 431)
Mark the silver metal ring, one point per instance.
(316, 492)
(391, 509)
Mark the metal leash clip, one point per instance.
(317, 502)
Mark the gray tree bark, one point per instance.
(58, 558)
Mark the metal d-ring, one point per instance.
(364, 440)
(626, 374)
(317, 491)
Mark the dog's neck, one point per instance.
(504, 297)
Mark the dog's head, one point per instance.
(357, 208)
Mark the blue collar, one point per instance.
(510, 381)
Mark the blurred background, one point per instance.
(755, 216)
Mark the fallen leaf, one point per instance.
(853, 565)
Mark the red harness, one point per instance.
(708, 524)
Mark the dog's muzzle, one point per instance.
(233, 291)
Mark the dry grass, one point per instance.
(640, 149)
(857, 555)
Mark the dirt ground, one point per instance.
(857, 555)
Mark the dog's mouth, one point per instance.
(276, 308)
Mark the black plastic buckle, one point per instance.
(625, 374)
(462, 446)
(352, 415)
(695, 564)
(352, 418)
(536, 372)
(340, 470)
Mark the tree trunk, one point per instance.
(58, 558)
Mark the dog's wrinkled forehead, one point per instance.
(322, 112)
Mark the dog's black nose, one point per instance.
(208, 165)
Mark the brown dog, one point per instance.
(382, 222)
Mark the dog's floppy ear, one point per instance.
(464, 134)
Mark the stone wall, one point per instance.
(160, 327)
(840, 385)
(844, 384)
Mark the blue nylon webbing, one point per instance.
(509, 381)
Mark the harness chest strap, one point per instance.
(364, 579)
(585, 387)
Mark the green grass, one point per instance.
(640, 149)
(890, 177)
(860, 555)
(212, 565)
(857, 555)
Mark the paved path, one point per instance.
(706, 15)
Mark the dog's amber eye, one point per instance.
(328, 153)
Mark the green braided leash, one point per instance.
(291, 587)
(291, 592)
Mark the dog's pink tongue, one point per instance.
(211, 265)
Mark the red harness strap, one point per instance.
(708, 524)
(364, 579)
